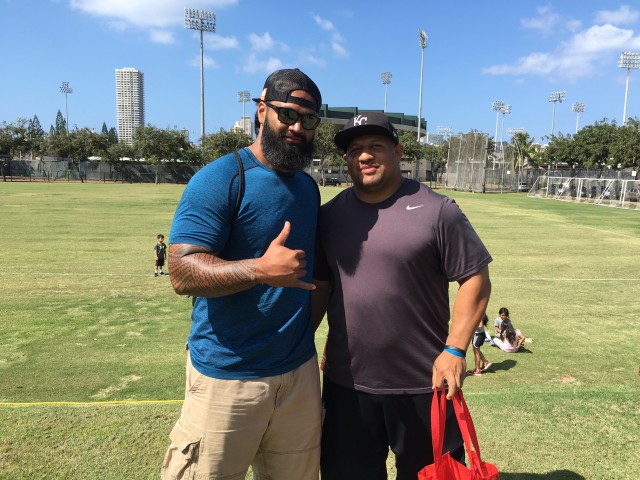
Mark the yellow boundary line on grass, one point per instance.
(494, 277)
(137, 402)
(111, 402)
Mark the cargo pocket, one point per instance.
(181, 459)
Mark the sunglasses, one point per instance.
(289, 116)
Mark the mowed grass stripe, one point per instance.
(493, 277)
(92, 345)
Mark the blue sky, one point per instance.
(478, 52)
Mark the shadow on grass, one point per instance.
(555, 475)
(501, 366)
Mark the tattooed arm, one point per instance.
(197, 271)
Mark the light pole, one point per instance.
(578, 108)
(628, 60)
(496, 106)
(423, 45)
(386, 80)
(66, 89)
(554, 98)
(444, 131)
(204, 22)
(244, 97)
(505, 110)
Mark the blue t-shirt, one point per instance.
(263, 331)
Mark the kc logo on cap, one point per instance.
(357, 120)
(369, 123)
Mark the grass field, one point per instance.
(92, 345)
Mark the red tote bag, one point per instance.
(445, 467)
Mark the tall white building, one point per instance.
(129, 102)
(245, 125)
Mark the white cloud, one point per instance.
(252, 64)
(602, 39)
(310, 58)
(324, 24)
(207, 61)
(146, 13)
(261, 43)
(574, 25)
(218, 42)
(544, 22)
(265, 50)
(576, 58)
(337, 46)
(622, 16)
(336, 41)
(161, 36)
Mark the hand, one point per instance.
(281, 266)
(451, 369)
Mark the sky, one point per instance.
(477, 52)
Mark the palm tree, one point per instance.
(524, 148)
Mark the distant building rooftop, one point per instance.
(340, 115)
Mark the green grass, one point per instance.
(82, 319)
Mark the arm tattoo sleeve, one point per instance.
(196, 271)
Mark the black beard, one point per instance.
(282, 155)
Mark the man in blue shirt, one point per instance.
(252, 395)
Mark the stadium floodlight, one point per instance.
(504, 110)
(423, 44)
(496, 106)
(578, 108)
(203, 21)
(554, 98)
(444, 131)
(66, 89)
(628, 60)
(386, 80)
(244, 97)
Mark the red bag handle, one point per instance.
(465, 423)
(468, 432)
(467, 429)
(438, 420)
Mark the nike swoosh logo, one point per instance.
(409, 207)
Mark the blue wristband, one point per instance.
(457, 352)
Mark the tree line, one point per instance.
(27, 139)
(601, 145)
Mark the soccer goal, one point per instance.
(598, 191)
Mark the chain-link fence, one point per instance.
(467, 161)
(53, 170)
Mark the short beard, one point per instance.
(282, 155)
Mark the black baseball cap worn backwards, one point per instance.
(366, 123)
(281, 83)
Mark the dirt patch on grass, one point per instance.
(107, 392)
(568, 380)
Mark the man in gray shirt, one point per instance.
(387, 250)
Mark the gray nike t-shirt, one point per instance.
(391, 264)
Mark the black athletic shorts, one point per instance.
(478, 339)
(359, 428)
(160, 262)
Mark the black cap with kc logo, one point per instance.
(366, 123)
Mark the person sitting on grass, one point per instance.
(481, 362)
(503, 314)
(510, 339)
